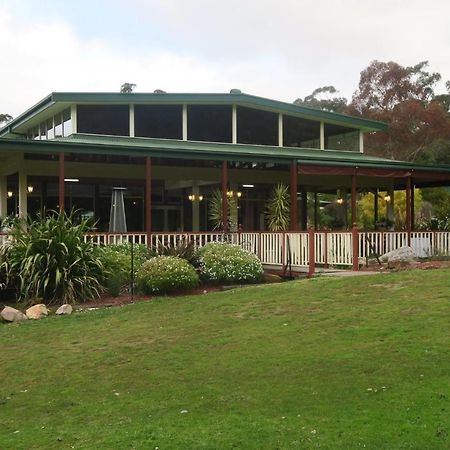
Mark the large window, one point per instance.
(56, 126)
(298, 132)
(209, 123)
(341, 138)
(103, 119)
(257, 127)
(158, 121)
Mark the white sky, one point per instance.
(276, 49)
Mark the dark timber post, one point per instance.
(375, 209)
(293, 195)
(304, 210)
(148, 200)
(225, 195)
(61, 192)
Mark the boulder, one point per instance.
(64, 309)
(37, 311)
(12, 315)
(400, 254)
(272, 278)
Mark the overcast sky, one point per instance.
(281, 49)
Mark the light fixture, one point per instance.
(248, 185)
(387, 198)
(340, 201)
(10, 194)
(193, 198)
(237, 194)
(72, 180)
(30, 189)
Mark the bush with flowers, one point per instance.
(166, 274)
(228, 263)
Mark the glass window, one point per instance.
(209, 123)
(43, 131)
(104, 119)
(50, 129)
(256, 126)
(158, 121)
(58, 126)
(67, 122)
(35, 132)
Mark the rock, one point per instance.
(37, 311)
(400, 254)
(64, 309)
(272, 278)
(12, 315)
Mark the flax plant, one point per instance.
(49, 260)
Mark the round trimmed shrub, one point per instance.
(164, 274)
(222, 262)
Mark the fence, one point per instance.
(331, 248)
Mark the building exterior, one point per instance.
(172, 151)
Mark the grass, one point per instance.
(324, 363)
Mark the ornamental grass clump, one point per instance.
(164, 274)
(228, 263)
(49, 260)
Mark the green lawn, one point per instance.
(345, 363)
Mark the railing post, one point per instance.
(355, 245)
(312, 252)
(325, 256)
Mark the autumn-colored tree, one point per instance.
(404, 98)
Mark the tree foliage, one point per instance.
(127, 88)
(404, 98)
(5, 119)
(278, 208)
(324, 98)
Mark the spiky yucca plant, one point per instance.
(278, 208)
(215, 211)
(50, 260)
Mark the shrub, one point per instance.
(50, 260)
(116, 269)
(222, 262)
(116, 260)
(183, 249)
(165, 274)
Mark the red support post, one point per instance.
(148, 200)
(312, 252)
(353, 202)
(412, 206)
(61, 192)
(355, 247)
(293, 196)
(408, 208)
(225, 195)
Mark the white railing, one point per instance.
(292, 248)
(424, 243)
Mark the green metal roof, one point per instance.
(167, 148)
(251, 101)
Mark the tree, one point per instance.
(404, 98)
(324, 98)
(4, 119)
(127, 88)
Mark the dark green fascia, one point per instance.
(28, 114)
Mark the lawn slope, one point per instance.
(345, 363)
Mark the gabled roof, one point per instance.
(251, 101)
